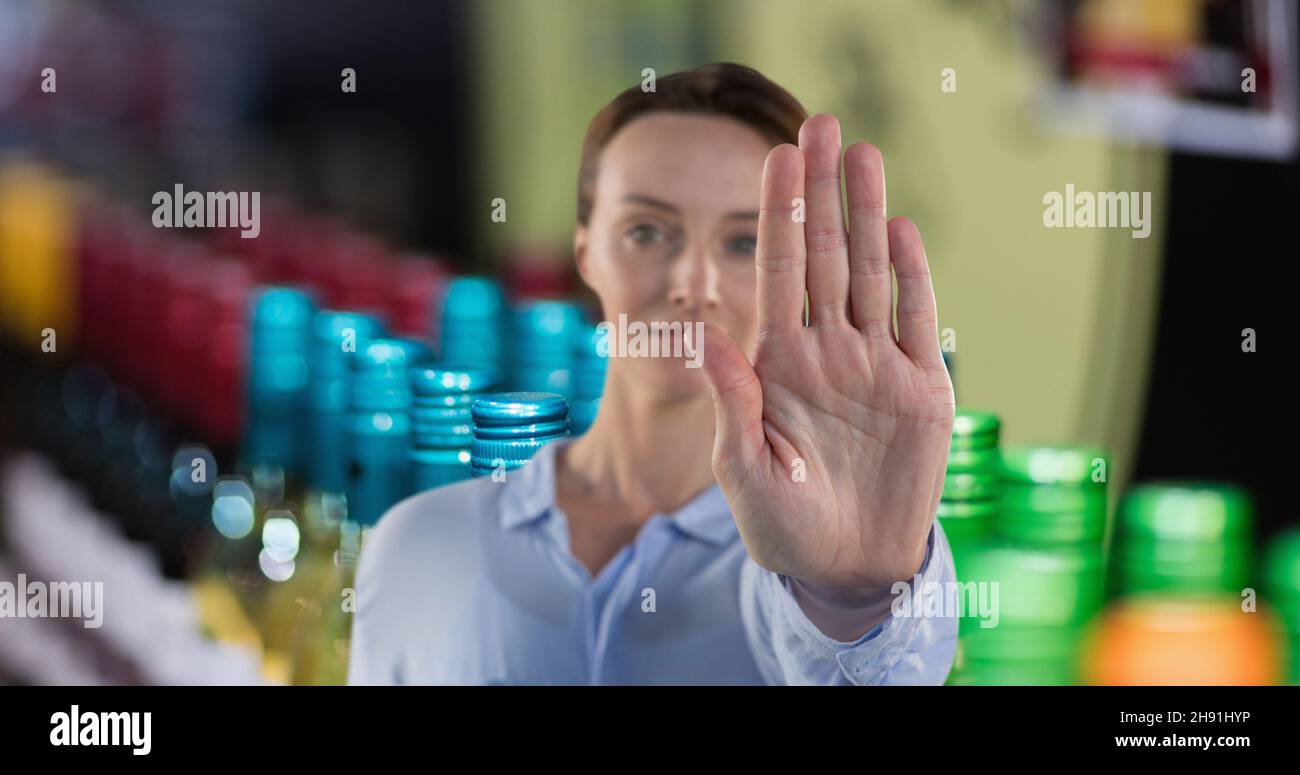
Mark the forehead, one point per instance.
(696, 162)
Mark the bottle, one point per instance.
(969, 504)
(37, 261)
(277, 378)
(1282, 587)
(509, 428)
(273, 465)
(541, 352)
(1189, 639)
(336, 338)
(473, 318)
(1180, 563)
(321, 644)
(1039, 602)
(972, 485)
(224, 366)
(441, 423)
(1191, 537)
(1041, 550)
(310, 590)
(378, 426)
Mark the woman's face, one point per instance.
(672, 233)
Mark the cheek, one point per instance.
(738, 285)
(622, 283)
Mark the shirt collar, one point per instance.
(706, 517)
(530, 491)
(529, 495)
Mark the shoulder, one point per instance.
(417, 565)
(424, 561)
(423, 527)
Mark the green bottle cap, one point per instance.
(967, 526)
(973, 509)
(959, 486)
(975, 429)
(1208, 512)
(1054, 499)
(1179, 566)
(1282, 569)
(1053, 464)
(987, 462)
(1078, 528)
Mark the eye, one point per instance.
(645, 233)
(743, 246)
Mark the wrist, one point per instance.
(848, 613)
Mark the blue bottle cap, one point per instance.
(473, 319)
(279, 326)
(587, 381)
(442, 400)
(277, 376)
(546, 323)
(330, 328)
(444, 437)
(519, 409)
(281, 307)
(548, 317)
(336, 336)
(452, 380)
(586, 341)
(541, 353)
(389, 358)
(441, 427)
(473, 298)
(509, 428)
(379, 374)
(543, 379)
(445, 406)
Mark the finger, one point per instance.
(827, 242)
(918, 321)
(737, 402)
(780, 259)
(871, 286)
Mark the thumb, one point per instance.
(737, 400)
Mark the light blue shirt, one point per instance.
(474, 583)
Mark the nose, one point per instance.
(693, 284)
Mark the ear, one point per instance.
(580, 252)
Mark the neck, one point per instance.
(644, 453)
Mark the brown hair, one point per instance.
(723, 89)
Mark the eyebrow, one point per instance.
(662, 205)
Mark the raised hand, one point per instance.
(831, 447)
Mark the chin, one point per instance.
(670, 377)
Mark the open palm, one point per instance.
(831, 445)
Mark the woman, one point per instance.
(750, 524)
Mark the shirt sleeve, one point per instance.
(914, 644)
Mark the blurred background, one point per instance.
(208, 424)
